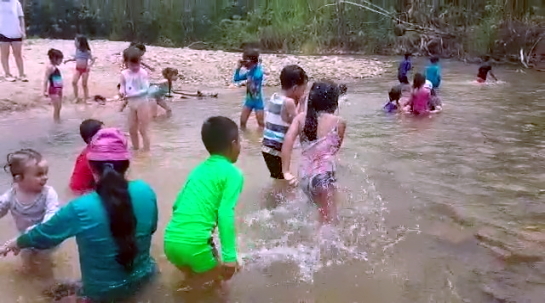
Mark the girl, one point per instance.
(84, 60)
(29, 200)
(321, 133)
(159, 90)
(53, 82)
(420, 96)
(134, 87)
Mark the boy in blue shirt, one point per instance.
(403, 70)
(254, 83)
(433, 72)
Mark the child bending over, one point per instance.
(208, 199)
(484, 70)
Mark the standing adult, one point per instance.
(12, 33)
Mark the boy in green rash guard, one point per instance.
(208, 199)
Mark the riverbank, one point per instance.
(199, 69)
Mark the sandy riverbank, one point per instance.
(200, 69)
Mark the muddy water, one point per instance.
(442, 209)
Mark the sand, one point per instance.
(199, 69)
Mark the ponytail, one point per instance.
(311, 124)
(113, 189)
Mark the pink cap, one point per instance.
(109, 144)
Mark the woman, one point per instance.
(113, 225)
(12, 33)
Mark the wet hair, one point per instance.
(113, 189)
(343, 89)
(17, 162)
(141, 47)
(167, 74)
(434, 59)
(323, 97)
(419, 80)
(486, 58)
(83, 43)
(54, 54)
(292, 75)
(88, 129)
(408, 55)
(217, 134)
(251, 54)
(395, 93)
(132, 54)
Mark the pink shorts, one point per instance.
(55, 91)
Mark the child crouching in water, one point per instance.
(321, 133)
(53, 83)
(208, 199)
(30, 201)
(393, 104)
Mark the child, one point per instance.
(254, 82)
(403, 70)
(207, 200)
(134, 87)
(158, 91)
(281, 110)
(434, 104)
(53, 82)
(393, 104)
(433, 72)
(29, 200)
(84, 60)
(484, 70)
(142, 48)
(321, 133)
(82, 179)
(420, 96)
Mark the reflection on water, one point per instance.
(441, 209)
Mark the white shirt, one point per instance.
(135, 84)
(10, 12)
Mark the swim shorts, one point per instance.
(311, 184)
(481, 80)
(274, 164)
(55, 91)
(254, 104)
(82, 70)
(9, 40)
(200, 258)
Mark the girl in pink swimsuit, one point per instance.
(420, 96)
(321, 133)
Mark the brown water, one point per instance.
(441, 209)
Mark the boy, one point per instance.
(403, 70)
(281, 110)
(254, 82)
(207, 200)
(393, 105)
(433, 72)
(484, 70)
(82, 179)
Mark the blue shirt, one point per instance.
(85, 218)
(390, 107)
(433, 73)
(404, 67)
(254, 83)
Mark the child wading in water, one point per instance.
(393, 104)
(53, 83)
(433, 72)
(134, 87)
(403, 70)
(321, 133)
(82, 179)
(484, 70)
(84, 61)
(254, 92)
(420, 96)
(208, 199)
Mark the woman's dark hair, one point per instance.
(113, 189)
(217, 134)
(343, 89)
(323, 97)
(88, 129)
(292, 75)
(18, 161)
(141, 47)
(419, 80)
(55, 54)
(83, 43)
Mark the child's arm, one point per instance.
(51, 204)
(93, 60)
(238, 75)
(287, 148)
(69, 60)
(147, 67)
(123, 105)
(226, 217)
(289, 110)
(5, 203)
(48, 72)
(341, 128)
(492, 75)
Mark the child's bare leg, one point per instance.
(163, 103)
(153, 109)
(325, 199)
(143, 124)
(260, 117)
(133, 128)
(197, 281)
(244, 115)
(84, 84)
(56, 101)
(75, 81)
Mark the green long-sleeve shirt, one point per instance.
(85, 218)
(208, 198)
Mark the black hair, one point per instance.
(323, 97)
(54, 54)
(132, 54)
(88, 129)
(139, 46)
(17, 161)
(83, 43)
(343, 89)
(251, 54)
(217, 134)
(292, 75)
(408, 55)
(395, 93)
(419, 80)
(434, 59)
(113, 190)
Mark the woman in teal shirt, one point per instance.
(113, 225)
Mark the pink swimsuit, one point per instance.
(420, 99)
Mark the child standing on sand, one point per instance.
(53, 83)
(84, 61)
(208, 199)
(484, 70)
(134, 87)
(254, 82)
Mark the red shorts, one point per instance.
(82, 70)
(481, 80)
(55, 91)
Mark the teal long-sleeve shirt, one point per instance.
(433, 73)
(85, 218)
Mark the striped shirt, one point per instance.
(275, 126)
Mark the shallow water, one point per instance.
(440, 209)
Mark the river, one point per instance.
(442, 209)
